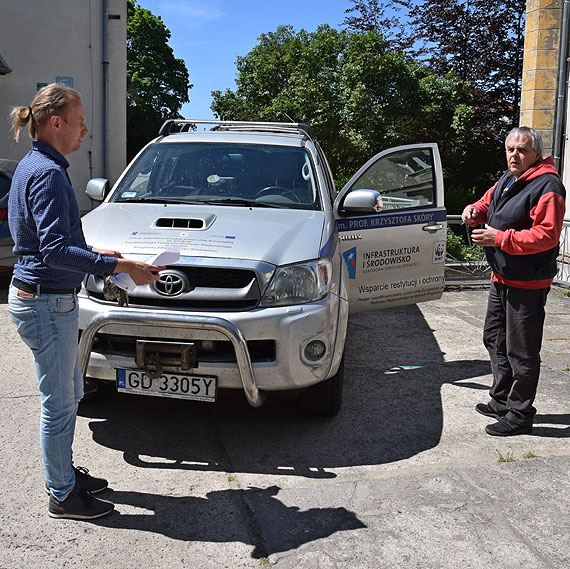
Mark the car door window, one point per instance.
(405, 179)
(392, 234)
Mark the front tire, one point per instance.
(324, 399)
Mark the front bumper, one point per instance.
(291, 328)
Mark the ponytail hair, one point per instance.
(49, 100)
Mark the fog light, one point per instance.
(315, 350)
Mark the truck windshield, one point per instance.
(241, 174)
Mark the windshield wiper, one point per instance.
(159, 200)
(241, 201)
(215, 201)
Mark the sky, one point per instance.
(209, 35)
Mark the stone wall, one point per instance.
(540, 68)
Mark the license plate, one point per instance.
(195, 387)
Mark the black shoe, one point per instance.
(84, 480)
(88, 482)
(484, 409)
(505, 429)
(79, 505)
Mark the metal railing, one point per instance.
(472, 267)
(563, 275)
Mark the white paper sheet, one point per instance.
(124, 281)
(168, 257)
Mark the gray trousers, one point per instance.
(513, 336)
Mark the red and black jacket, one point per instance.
(529, 217)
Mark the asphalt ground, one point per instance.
(403, 477)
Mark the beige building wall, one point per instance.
(44, 41)
(540, 106)
(540, 68)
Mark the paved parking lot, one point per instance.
(403, 477)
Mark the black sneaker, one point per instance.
(484, 409)
(79, 505)
(506, 429)
(84, 480)
(88, 482)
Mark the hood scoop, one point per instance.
(195, 223)
(177, 223)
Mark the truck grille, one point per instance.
(211, 288)
(212, 277)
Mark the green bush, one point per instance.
(459, 249)
(456, 198)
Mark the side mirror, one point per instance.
(97, 189)
(363, 201)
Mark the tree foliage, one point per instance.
(157, 82)
(359, 96)
(383, 17)
(481, 42)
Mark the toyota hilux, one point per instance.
(269, 260)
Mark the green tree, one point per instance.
(157, 82)
(383, 17)
(359, 96)
(480, 41)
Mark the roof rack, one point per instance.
(252, 126)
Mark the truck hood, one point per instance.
(277, 236)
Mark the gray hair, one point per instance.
(535, 139)
(49, 100)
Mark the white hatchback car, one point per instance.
(272, 260)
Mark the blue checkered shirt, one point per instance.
(44, 220)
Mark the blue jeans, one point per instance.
(48, 324)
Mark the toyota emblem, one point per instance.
(172, 283)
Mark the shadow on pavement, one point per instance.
(554, 432)
(392, 410)
(220, 515)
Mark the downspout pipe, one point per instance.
(105, 117)
(562, 78)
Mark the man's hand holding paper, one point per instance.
(135, 273)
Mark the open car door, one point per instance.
(392, 228)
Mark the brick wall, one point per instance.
(540, 68)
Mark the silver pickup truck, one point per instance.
(272, 260)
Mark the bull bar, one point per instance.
(176, 320)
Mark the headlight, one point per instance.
(299, 284)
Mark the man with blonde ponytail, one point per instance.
(53, 259)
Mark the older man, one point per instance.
(523, 213)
